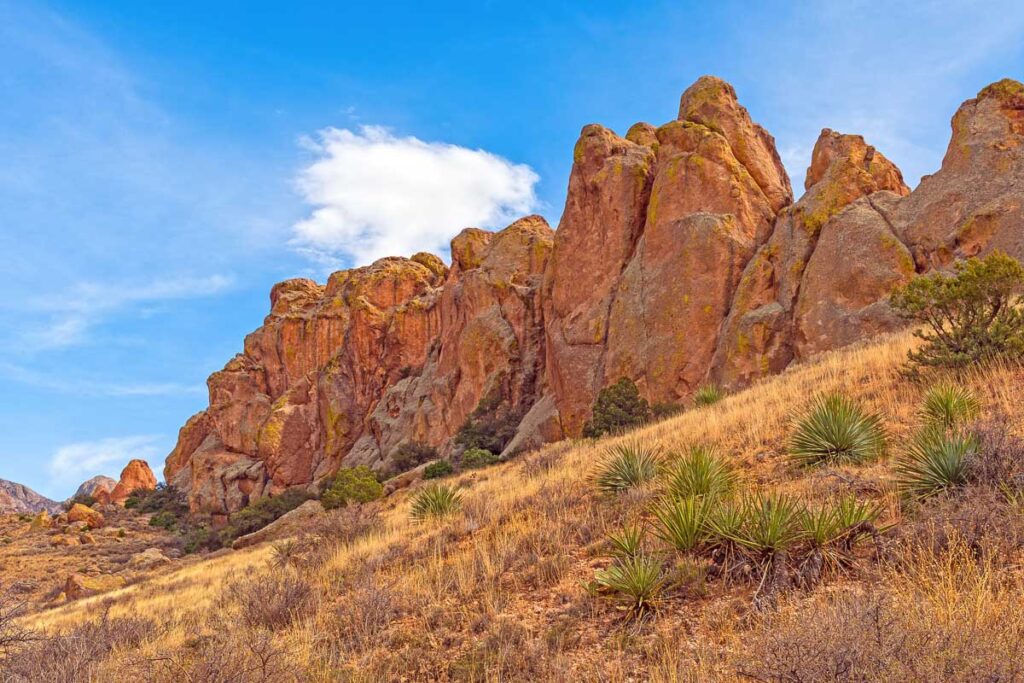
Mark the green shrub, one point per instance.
(639, 579)
(436, 470)
(82, 499)
(161, 499)
(352, 485)
(947, 406)
(412, 454)
(164, 520)
(627, 465)
(435, 501)
(837, 430)
(197, 538)
(617, 408)
(936, 460)
(970, 316)
(682, 522)
(700, 473)
(490, 426)
(708, 394)
(478, 457)
(261, 513)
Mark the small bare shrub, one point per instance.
(75, 655)
(367, 609)
(228, 656)
(13, 637)
(273, 601)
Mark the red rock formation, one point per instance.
(655, 233)
(136, 475)
(680, 258)
(401, 349)
(758, 334)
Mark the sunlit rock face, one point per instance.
(680, 258)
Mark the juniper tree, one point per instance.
(618, 407)
(971, 315)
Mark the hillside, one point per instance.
(682, 257)
(503, 588)
(17, 499)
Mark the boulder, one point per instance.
(82, 514)
(41, 521)
(340, 374)
(150, 558)
(80, 586)
(289, 524)
(758, 335)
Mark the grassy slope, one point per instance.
(495, 593)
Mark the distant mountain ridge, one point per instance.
(17, 499)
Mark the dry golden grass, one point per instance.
(497, 591)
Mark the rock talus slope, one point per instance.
(680, 258)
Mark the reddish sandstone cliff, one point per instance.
(680, 258)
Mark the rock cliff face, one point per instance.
(401, 350)
(680, 259)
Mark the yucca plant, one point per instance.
(638, 579)
(947, 406)
(629, 541)
(937, 460)
(627, 465)
(833, 529)
(837, 430)
(435, 501)
(725, 522)
(284, 554)
(682, 522)
(708, 394)
(771, 524)
(700, 473)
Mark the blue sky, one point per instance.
(162, 164)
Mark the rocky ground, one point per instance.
(47, 560)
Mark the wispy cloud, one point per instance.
(375, 194)
(75, 462)
(67, 317)
(76, 386)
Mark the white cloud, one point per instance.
(72, 313)
(377, 195)
(74, 463)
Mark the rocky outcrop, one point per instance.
(135, 476)
(19, 499)
(93, 486)
(403, 349)
(680, 258)
(656, 231)
(758, 336)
